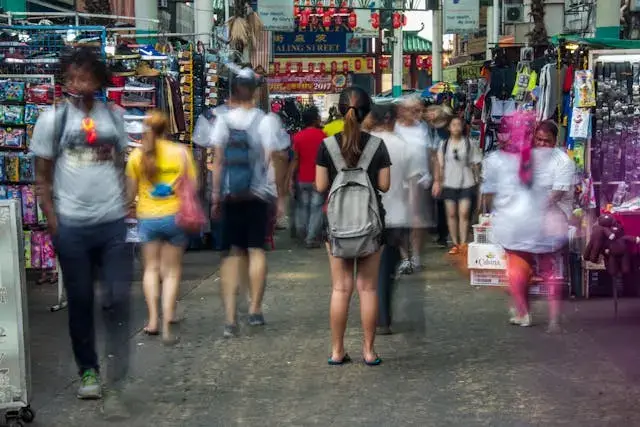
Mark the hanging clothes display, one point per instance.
(548, 99)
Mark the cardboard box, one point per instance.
(483, 256)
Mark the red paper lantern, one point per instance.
(370, 63)
(358, 64)
(344, 7)
(375, 20)
(338, 20)
(314, 20)
(310, 67)
(323, 67)
(384, 63)
(353, 20)
(404, 20)
(407, 61)
(334, 66)
(296, 11)
(319, 9)
(304, 19)
(332, 7)
(326, 19)
(299, 67)
(396, 20)
(287, 68)
(276, 68)
(345, 66)
(429, 62)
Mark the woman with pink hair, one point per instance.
(529, 184)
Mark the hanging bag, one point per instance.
(190, 216)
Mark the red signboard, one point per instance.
(315, 83)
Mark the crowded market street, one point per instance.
(453, 359)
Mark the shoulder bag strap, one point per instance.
(369, 151)
(334, 152)
(60, 125)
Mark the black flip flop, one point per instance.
(346, 359)
(150, 333)
(376, 362)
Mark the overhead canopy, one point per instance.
(607, 43)
(412, 43)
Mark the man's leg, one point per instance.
(256, 225)
(234, 236)
(73, 246)
(315, 218)
(388, 263)
(441, 215)
(302, 210)
(117, 275)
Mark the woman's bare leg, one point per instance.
(367, 282)
(171, 258)
(464, 213)
(451, 206)
(342, 285)
(151, 282)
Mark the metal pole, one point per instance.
(496, 23)
(437, 45)
(397, 56)
(226, 11)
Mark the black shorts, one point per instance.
(244, 224)
(457, 194)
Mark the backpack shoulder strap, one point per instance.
(369, 151)
(61, 123)
(334, 152)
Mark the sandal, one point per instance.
(345, 359)
(150, 332)
(376, 362)
(454, 250)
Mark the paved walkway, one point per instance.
(453, 362)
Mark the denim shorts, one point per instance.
(162, 229)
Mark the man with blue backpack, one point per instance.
(242, 194)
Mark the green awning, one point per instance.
(412, 43)
(607, 43)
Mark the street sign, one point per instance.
(277, 15)
(460, 16)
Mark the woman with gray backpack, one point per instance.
(353, 167)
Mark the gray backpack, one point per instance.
(353, 213)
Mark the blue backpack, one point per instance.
(240, 158)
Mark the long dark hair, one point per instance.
(383, 115)
(354, 105)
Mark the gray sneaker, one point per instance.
(230, 331)
(113, 407)
(90, 387)
(256, 319)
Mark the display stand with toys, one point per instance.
(22, 99)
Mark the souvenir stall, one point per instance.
(30, 83)
(607, 96)
(544, 85)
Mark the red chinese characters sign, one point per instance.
(318, 83)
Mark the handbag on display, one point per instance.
(190, 216)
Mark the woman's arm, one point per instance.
(132, 193)
(384, 179)
(322, 179)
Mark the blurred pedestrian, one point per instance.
(153, 171)
(531, 203)
(79, 149)
(406, 169)
(335, 123)
(309, 201)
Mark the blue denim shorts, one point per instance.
(162, 229)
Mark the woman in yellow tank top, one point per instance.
(152, 172)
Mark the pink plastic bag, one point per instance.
(190, 216)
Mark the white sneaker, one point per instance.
(405, 267)
(415, 262)
(524, 321)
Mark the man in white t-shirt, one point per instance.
(410, 128)
(407, 168)
(244, 139)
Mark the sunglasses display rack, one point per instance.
(185, 61)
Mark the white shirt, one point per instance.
(279, 140)
(405, 165)
(522, 219)
(264, 134)
(418, 137)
